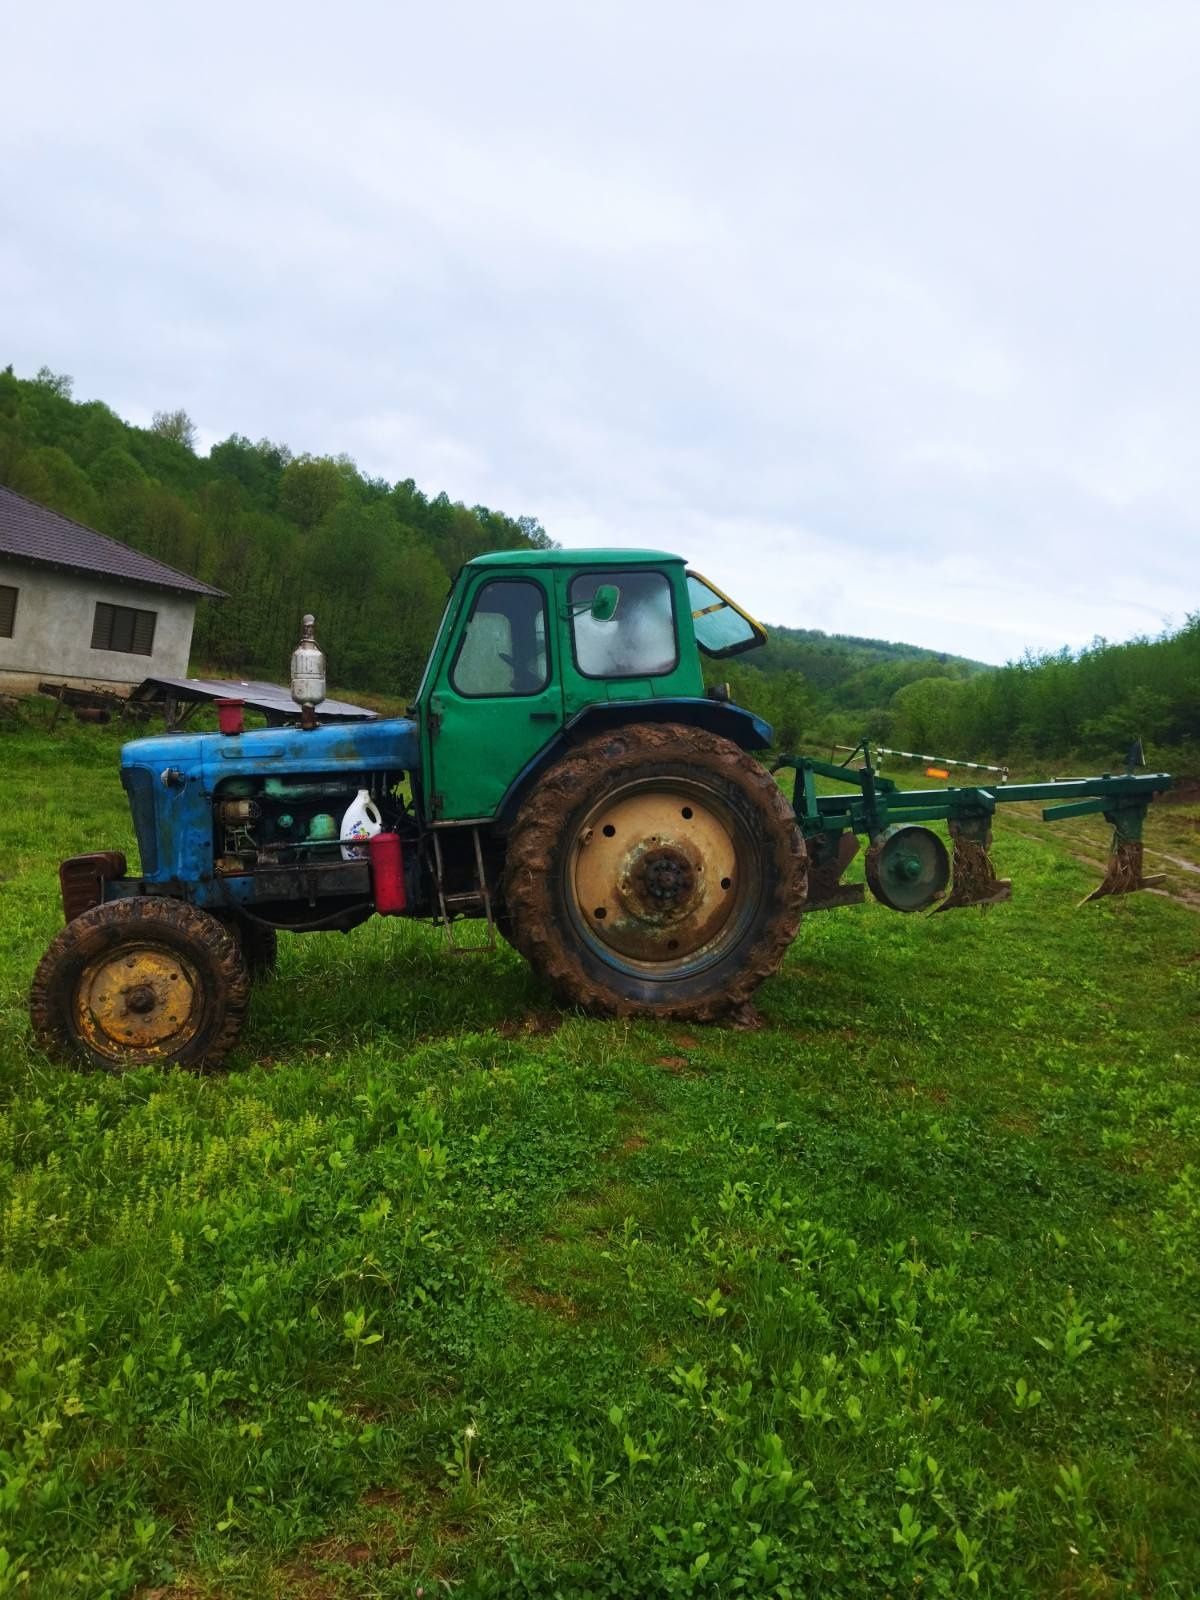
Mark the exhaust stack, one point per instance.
(308, 674)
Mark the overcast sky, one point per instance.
(884, 315)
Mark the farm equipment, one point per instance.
(563, 778)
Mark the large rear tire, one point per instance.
(657, 870)
(137, 981)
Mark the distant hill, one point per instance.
(831, 661)
(783, 640)
(1090, 704)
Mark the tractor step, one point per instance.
(463, 901)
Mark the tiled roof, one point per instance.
(30, 532)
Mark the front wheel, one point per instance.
(146, 979)
(655, 871)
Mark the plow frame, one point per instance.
(830, 821)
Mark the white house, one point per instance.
(78, 607)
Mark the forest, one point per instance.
(283, 533)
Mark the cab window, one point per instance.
(722, 628)
(503, 649)
(638, 639)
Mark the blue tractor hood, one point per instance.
(389, 744)
(171, 781)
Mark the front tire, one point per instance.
(258, 942)
(141, 980)
(655, 871)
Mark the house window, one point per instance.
(8, 610)
(122, 628)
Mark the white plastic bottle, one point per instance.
(361, 821)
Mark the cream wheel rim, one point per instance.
(656, 875)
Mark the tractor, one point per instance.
(563, 778)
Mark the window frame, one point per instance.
(603, 573)
(495, 694)
(14, 590)
(135, 612)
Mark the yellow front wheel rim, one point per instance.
(141, 1000)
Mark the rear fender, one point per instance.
(735, 723)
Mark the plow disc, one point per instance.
(907, 867)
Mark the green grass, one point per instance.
(439, 1287)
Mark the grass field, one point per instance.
(438, 1289)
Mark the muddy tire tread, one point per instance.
(109, 923)
(538, 829)
(259, 945)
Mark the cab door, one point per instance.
(497, 698)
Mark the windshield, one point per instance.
(722, 629)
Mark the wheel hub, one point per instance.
(655, 875)
(139, 999)
(665, 877)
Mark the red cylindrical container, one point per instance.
(387, 874)
(230, 717)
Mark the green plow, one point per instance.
(908, 867)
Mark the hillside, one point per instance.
(826, 686)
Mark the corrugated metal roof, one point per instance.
(31, 532)
(269, 697)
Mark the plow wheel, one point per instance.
(655, 871)
(140, 980)
(907, 867)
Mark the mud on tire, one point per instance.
(142, 980)
(259, 944)
(656, 870)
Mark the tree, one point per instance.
(175, 425)
(115, 468)
(58, 383)
(310, 488)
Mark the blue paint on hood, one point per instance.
(390, 744)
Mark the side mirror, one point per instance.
(605, 602)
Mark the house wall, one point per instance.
(52, 632)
